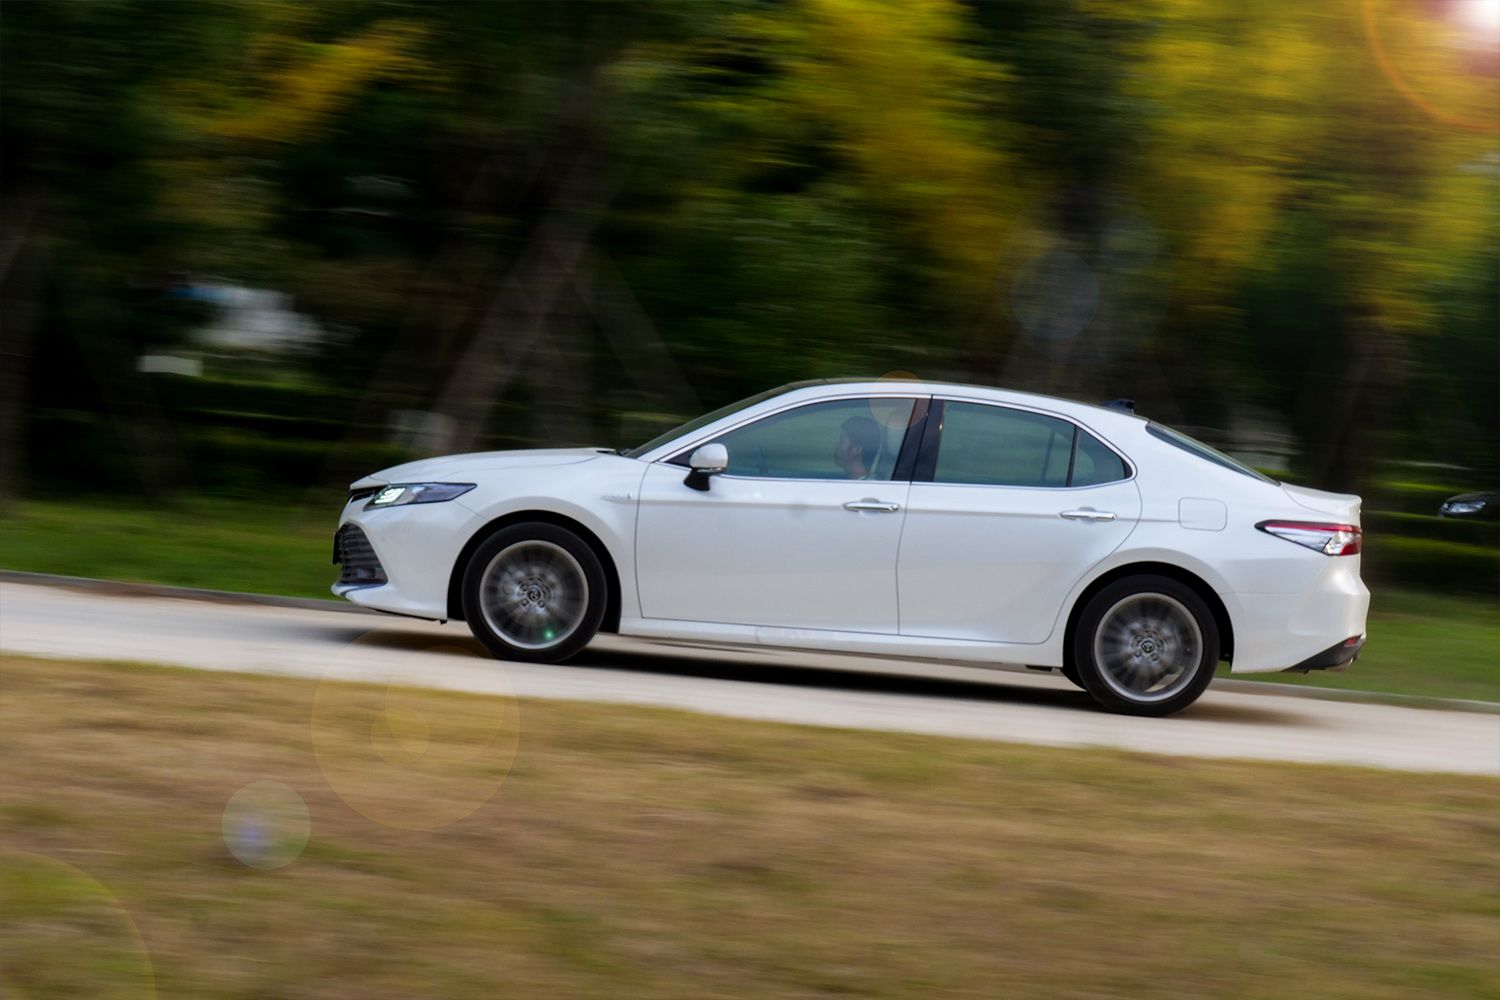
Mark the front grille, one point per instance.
(361, 492)
(353, 552)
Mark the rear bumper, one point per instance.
(1289, 630)
(1333, 658)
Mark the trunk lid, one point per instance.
(1343, 506)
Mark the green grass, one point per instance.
(281, 546)
(464, 845)
(1420, 644)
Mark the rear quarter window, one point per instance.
(1094, 464)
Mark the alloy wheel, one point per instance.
(1148, 647)
(534, 594)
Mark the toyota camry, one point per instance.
(912, 519)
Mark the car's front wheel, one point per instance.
(1146, 645)
(534, 591)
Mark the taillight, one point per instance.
(1328, 538)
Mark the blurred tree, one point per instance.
(81, 227)
(1190, 201)
(132, 145)
(1282, 134)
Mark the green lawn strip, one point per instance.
(280, 546)
(1430, 645)
(642, 852)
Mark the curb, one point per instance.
(122, 588)
(1348, 694)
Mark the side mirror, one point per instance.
(708, 460)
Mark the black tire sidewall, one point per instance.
(1089, 672)
(541, 531)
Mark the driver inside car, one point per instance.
(858, 444)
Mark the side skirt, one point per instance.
(999, 655)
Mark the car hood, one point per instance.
(1344, 506)
(451, 467)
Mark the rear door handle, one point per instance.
(884, 506)
(1087, 514)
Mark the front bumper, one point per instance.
(415, 548)
(358, 564)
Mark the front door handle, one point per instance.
(1087, 514)
(884, 506)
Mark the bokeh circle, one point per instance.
(1055, 295)
(266, 825)
(405, 757)
(62, 933)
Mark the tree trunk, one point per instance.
(518, 313)
(1350, 414)
(24, 254)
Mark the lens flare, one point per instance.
(43, 899)
(390, 751)
(1481, 17)
(1474, 15)
(266, 825)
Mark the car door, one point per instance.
(800, 531)
(1010, 507)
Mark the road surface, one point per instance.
(808, 688)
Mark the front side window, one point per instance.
(838, 439)
(998, 446)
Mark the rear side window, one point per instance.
(1094, 464)
(986, 445)
(1192, 446)
(998, 446)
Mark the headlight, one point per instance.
(1463, 507)
(398, 494)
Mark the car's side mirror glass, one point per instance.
(707, 460)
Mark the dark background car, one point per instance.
(1481, 505)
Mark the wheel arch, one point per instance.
(1184, 576)
(611, 622)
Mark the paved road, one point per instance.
(815, 689)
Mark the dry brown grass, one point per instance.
(636, 852)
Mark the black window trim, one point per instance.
(1164, 434)
(932, 439)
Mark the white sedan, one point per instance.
(911, 519)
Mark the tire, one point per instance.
(1146, 645)
(1071, 673)
(534, 592)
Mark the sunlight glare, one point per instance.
(1479, 16)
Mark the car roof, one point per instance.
(1103, 420)
(925, 386)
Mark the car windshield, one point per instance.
(1195, 447)
(703, 421)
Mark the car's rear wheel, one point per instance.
(534, 591)
(1146, 645)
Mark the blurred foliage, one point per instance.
(564, 223)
